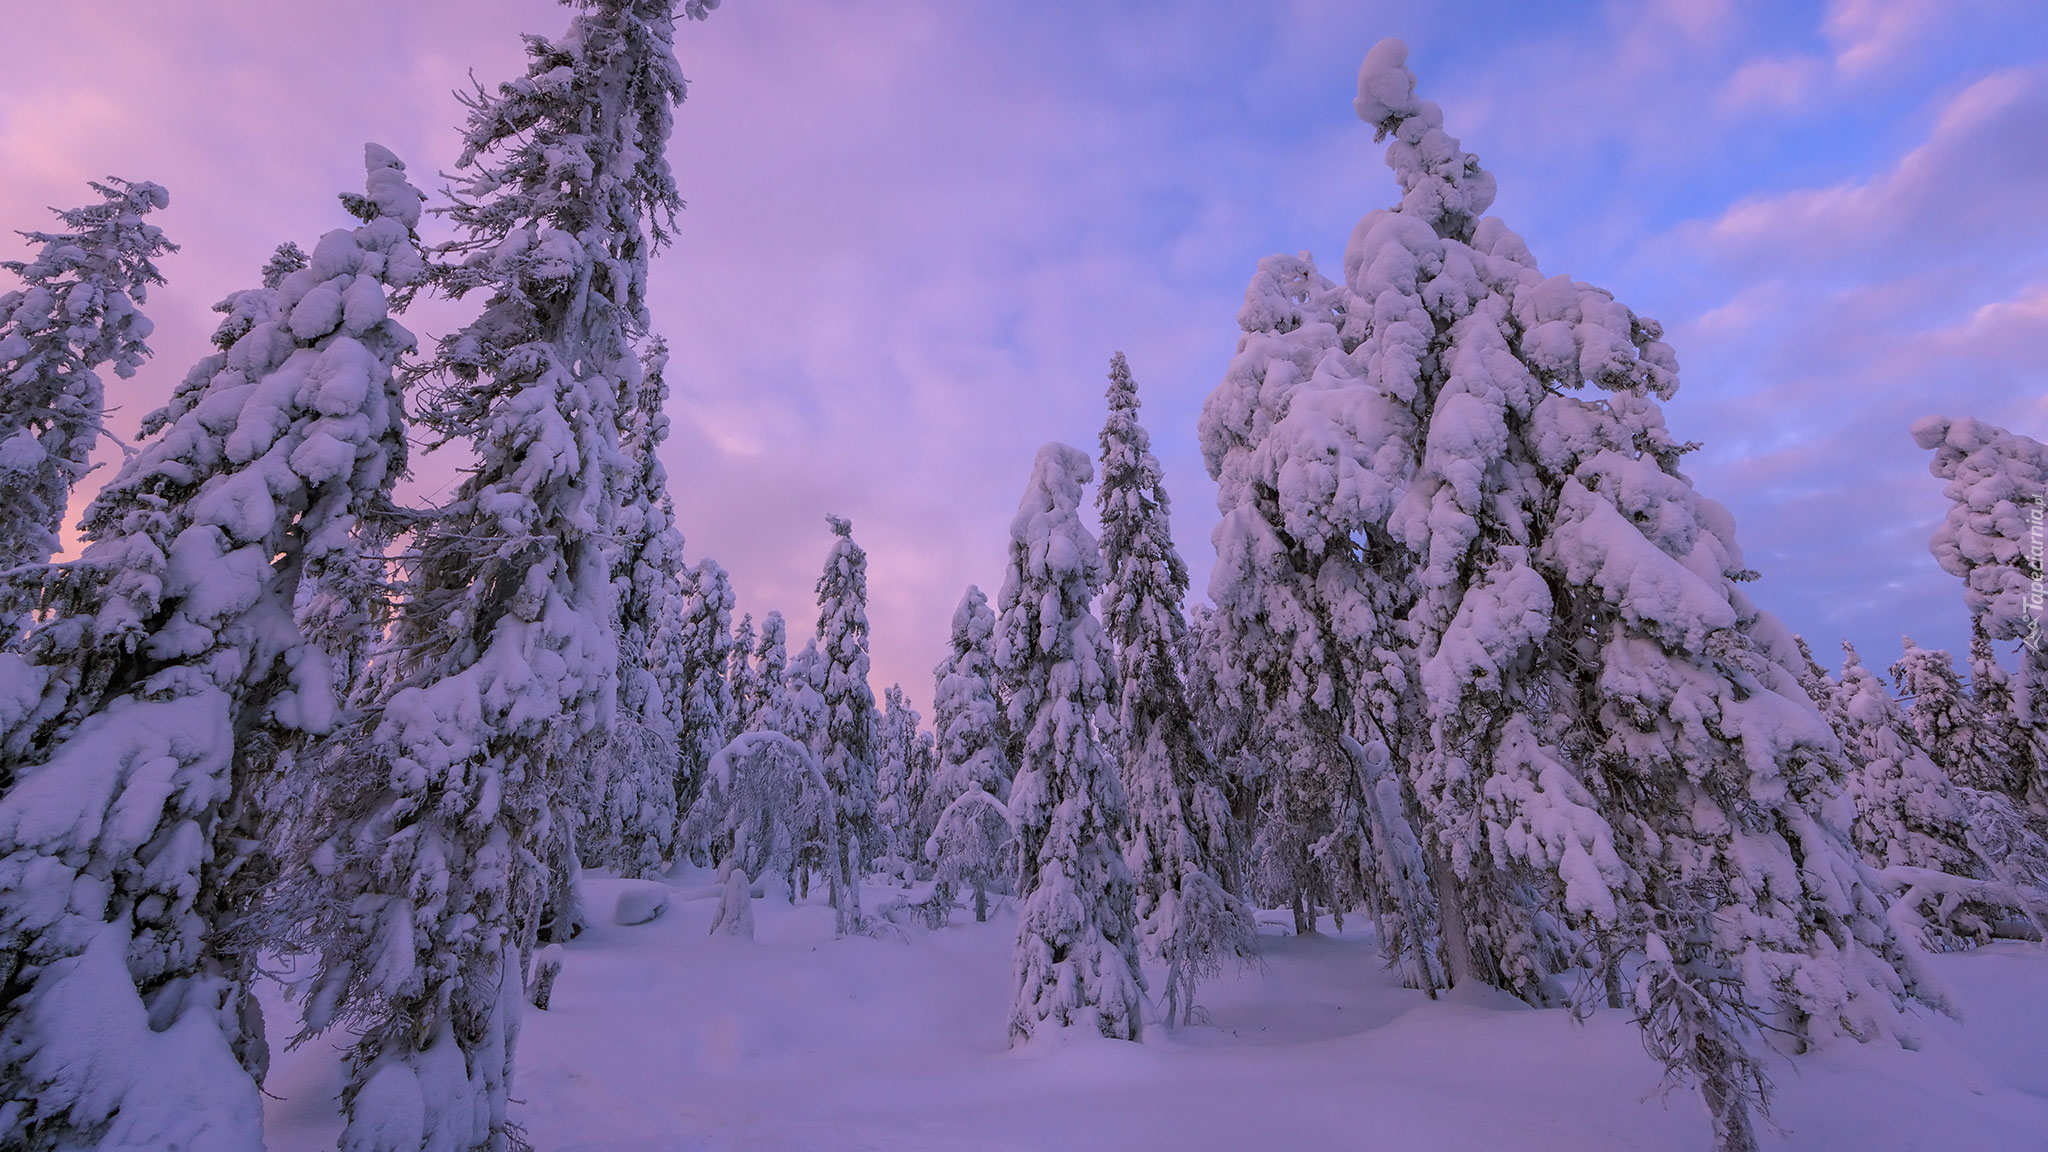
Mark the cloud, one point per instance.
(1980, 180)
(1853, 309)
(917, 231)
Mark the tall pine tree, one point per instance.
(1180, 847)
(504, 662)
(846, 743)
(707, 699)
(1077, 950)
(1454, 524)
(179, 657)
(963, 828)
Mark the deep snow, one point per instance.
(662, 1038)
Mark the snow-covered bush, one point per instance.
(973, 846)
(765, 803)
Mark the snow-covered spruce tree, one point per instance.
(1939, 712)
(1227, 727)
(760, 699)
(1998, 763)
(846, 742)
(973, 846)
(1309, 588)
(1077, 948)
(1909, 823)
(637, 764)
(971, 739)
(802, 712)
(1180, 849)
(79, 307)
(1997, 486)
(800, 715)
(707, 694)
(1447, 482)
(968, 721)
(176, 669)
(504, 663)
(739, 672)
(902, 775)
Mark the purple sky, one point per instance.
(917, 231)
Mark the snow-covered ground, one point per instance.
(664, 1039)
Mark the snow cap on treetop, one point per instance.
(144, 194)
(840, 525)
(1441, 183)
(1386, 88)
(387, 186)
(1057, 476)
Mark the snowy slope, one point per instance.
(663, 1039)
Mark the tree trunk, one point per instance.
(1450, 906)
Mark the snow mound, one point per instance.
(640, 901)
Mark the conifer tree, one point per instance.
(707, 703)
(79, 307)
(1914, 826)
(1938, 711)
(1226, 725)
(1454, 523)
(637, 759)
(803, 696)
(962, 824)
(739, 673)
(504, 664)
(903, 774)
(1999, 762)
(969, 722)
(764, 706)
(180, 652)
(1077, 949)
(1180, 835)
(801, 716)
(1905, 812)
(846, 743)
(1997, 486)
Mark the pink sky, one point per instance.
(918, 230)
